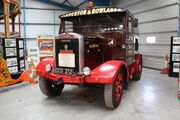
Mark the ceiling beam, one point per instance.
(81, 3)
(57, 4)
(71, 7)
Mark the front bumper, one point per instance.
(75, 78)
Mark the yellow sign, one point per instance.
(91, 11)
(112, 42)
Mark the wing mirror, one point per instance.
(135, 22)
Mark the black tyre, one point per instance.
(113, 91)
(49, 87)
(137, 75)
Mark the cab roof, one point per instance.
(95, 11)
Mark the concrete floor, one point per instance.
(152, 98)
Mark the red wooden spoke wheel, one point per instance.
(119, 87)
(113, 91)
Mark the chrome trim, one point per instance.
(54, 54)
(81, 50)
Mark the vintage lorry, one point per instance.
(96, 46)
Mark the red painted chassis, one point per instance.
(104, 73)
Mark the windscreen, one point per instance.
(93, 23)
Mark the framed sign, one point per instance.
(11, 52)
(33, 54)
(10, 42)
(176, 67)
(174, 57)
(66, 60)
(21, 44)
(11, 62)
(21, 53)
(13, 69)
(176, 40)
(176, 49)
(45, 46)
(22, 63)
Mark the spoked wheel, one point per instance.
(49, 87)
(137, 75)
(113, 91)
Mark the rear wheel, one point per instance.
(49, 87)
(137, 75)
(113, 91)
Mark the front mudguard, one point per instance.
(41, 67)
(106, 72)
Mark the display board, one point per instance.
(174, 57)
(45, 46)
(13, 52)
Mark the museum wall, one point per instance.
(40, 19)
(157, 18)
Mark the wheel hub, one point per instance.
(119, 87)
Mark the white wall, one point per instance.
(41, 18)
(157, 18)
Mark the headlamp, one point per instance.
(86, 71)
(48, 68)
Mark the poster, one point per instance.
(11, 52)
(21, 44)
(45, 46)
(10, 42)
(11, 61)
(21, 53)
(175, 57)
(13, 69)
(176, 49)
(176, 40)
(33, 55)
(176, 67)
(21, 63)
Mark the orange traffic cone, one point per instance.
(166, 66)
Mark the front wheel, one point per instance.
(49, 87)
(113, 91)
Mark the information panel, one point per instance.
(45, 46)
(13, 52)
(174, 57)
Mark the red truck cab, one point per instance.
(95, 46)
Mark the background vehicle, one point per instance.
(96, 46)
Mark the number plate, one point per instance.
(64, 70)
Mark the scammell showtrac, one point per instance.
(96, 46)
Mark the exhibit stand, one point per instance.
(13, 52)
(174, 57)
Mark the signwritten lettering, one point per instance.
(91, 11)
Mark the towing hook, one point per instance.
(60, 81)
